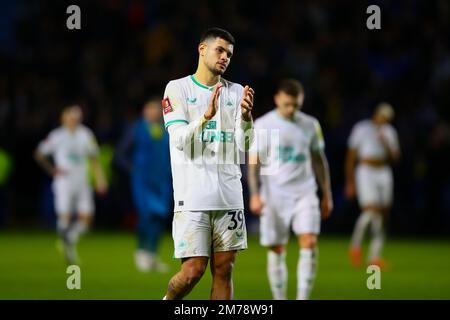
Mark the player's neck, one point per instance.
(284, 117)
(70, 128)
(206, 77)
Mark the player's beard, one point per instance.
(215, 70)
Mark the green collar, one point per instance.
(202, 85)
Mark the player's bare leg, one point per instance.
(307, 265)
(192, 270)
(222, 264)
(277, 271)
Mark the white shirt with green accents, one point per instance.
(205, 155)
(71, 151)
(284, 148)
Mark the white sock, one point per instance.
(376, 245)
(80, 227)
(277, 273)
(62, 225)
(360, 228)
(165, 298)
(306, 272)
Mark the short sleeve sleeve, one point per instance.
(353, 140)
(92, 145)
(317, 142)
(393, 140)
(47, 147)
(173, 105)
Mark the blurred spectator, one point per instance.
(150, 181)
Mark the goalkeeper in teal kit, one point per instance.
(144, 153)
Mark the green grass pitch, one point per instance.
(32, 268)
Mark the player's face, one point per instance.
(380, 119)
(216, 55)
(288, 104)
(72, 117)
(152, 112)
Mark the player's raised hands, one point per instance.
(247, 103)
(213, 103)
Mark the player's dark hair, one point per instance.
(291, 87)
(69, 104)
(154, 99)
(217, 33)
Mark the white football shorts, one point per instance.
(197, 233)
(374, 185)
(73, 197)
(282, 213)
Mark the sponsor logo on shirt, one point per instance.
(287, 154)
(212, 124)
(191, 100)
(216, 135)
(74, 158)
(210, 134)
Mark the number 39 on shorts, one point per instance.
(236, 219)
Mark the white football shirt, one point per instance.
(284, 148)
(364, 138)
(205, 156)
(70, 151)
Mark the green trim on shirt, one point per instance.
(201, 85)
(175, 121)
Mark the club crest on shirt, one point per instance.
(167, 106)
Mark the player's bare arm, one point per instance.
(101, 185)
(45, 164)
(350, 162)
(322, 172)
(254, 166)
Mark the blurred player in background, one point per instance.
(209, 121)
(287, 196)
(71, 146)
(151, 181)
(373, 144)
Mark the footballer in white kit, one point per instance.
(286, 158)
(210, 124)
(372, 146)
(71, 146)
